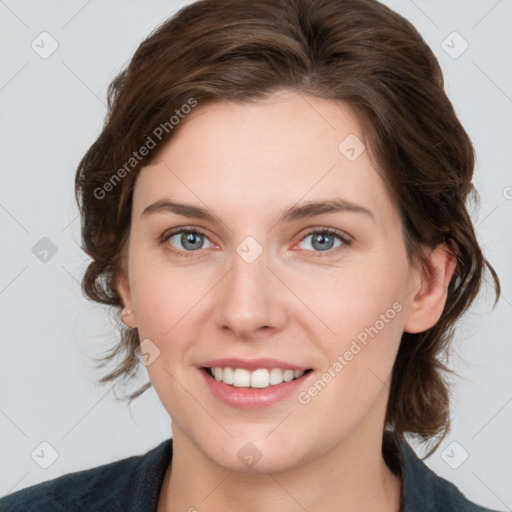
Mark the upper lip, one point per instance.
(252, 364)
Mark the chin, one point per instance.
(258, 456)
(262, 464)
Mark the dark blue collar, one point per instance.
(422, 489)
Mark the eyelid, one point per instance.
(324, 229)
(182, 229)
(341, 235)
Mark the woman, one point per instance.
(277, 207)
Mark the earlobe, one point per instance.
(128, 318)
(429, 300)
(123, 289)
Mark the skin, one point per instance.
(246, 163)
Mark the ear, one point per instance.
(427, 305)
(123, 289)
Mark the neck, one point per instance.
(351, 476)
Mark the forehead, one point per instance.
(282, 149)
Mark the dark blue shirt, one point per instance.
(133, 485)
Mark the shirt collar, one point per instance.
(419, 482)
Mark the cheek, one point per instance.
(354, 298)
(363, 314)
(167, 308)
(165, 295)
(358, 363)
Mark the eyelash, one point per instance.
(331, 231)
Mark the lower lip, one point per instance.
(252, 398)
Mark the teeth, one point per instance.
(288, 375)
(228, 376)
(241, 378)
(261, 378)
(276, 376)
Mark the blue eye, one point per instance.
(190, 239)
(323, 240)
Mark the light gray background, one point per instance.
(52, 110)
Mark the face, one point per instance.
(262, 280)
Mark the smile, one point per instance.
(253, 383)
(260, 378)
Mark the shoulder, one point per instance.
(128, 484)
(78, 487)
(422, 489)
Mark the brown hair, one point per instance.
(355, 51)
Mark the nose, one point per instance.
(251, 299)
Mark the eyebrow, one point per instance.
(294, 212)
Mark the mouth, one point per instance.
(260, 378)
(253, 383)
